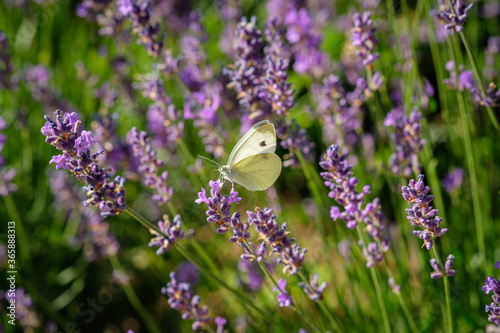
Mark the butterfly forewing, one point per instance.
(260, 139)
(257, 172)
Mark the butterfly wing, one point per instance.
(260, 139)
(257, 172)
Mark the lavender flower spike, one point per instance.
(338, 177)
(454, 20)
(438, 270)
(171, 229)
(422, 214)
(315, 290)
(182, 299)
(363, 37)
(67, 135)
(219, 206)
(284, 299)
(492, 284)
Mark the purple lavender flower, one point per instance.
(305, 42)
(363, 37)
(149, 166)
(284, 299)
(245, 73)
(68, 136)
(313, 289)
(404, 161)
(6, 68)
(341, 120)
(171, 229)
(220, 322)
(492, 284)
(188, 272)
(453, 180)
(491, 51)
(438, 270)
(139, 12)
(338, 178)
(396, 288)
(93, 232)
(293, 138)
(422, 214)
(219, 207)
(251, 277)
(182, 299)
(26, 314)
(275, 238)
(454, 19)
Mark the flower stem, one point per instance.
(446, 290)
(378, 290)
(23, 241)
(134, 300)
(273, 281)
(322, 306)
(475, 70)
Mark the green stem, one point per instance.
(23, 240)
(322, 306)
(475, 70)
(273, 281)
(315, 191)
(446, 290)
(134, 300)
(378, 290)
(188, 256)
(247, 302)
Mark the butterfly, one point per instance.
(252, 162)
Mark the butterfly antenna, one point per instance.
(209, 160)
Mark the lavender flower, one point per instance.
(139, 12)
(438, 270)
(492, 284)
(275, 88)
(219, 207)
(305, 42)
(26, 314)
(341, 120)
(363, 37)
(68, 136)
(453, 180)
(313, 289)
(396, 288)
(276, 239)
(220, 322)
(404, 161)
(171, 229)
(6, 175)
(182, 299)
(251, 277)
(6, 68)
(93, 232)
(149, 166)
(491, 51)
(284, 299)
(245, 73)
(338, 178)
(188, 272)
(454, 19)
(422, 214)
(293, 138)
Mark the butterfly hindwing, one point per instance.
(257, 172)
(260, 139)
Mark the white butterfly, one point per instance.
(252, 162)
